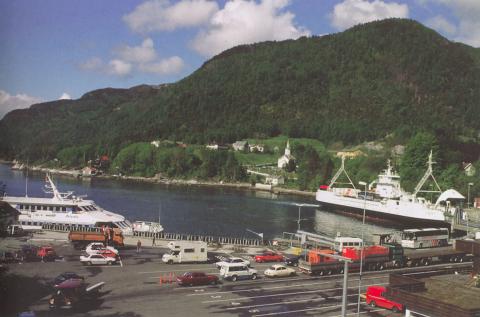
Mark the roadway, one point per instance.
(133, 289)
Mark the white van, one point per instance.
(186, 251)
(236, 271)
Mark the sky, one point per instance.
(59, 49)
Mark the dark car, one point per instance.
(66, 276)
(74, 292)
(292, 260)
(196, 278)
(8, 257)
(29, 253)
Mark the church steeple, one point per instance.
(287, 149)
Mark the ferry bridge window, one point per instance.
(189, 250)
(50, 208)
(44, 207)
(64, 208)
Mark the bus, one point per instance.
(425, 238)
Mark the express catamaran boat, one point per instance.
(64, 209)
(389, 201)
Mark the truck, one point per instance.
(186, 251)
(374, 258)
(378, 257)
(375, 297)
(82, 238)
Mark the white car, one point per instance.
(97, 259)
(96, 247)
(232, 260)
(279, 270)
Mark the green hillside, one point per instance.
(391, 76)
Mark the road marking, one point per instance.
(282, 286)
(319, 308)
(286, 294)
(188, 270)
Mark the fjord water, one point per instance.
(196, 210)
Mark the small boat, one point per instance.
(147, 226)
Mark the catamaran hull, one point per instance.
(388, 210)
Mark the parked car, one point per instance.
(279, 270)
(237, 271)
(73, 292)
(46, 253)
(66, 276)
(232, 260)
(96, 247)
(28, 253)
(196, 278)
(97, 259)
(376, 297)
(9, 257)
(269, 256)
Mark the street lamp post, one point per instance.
(299, 212)
(468, 195)
(361, 250)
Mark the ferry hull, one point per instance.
(404, 212)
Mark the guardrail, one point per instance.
(165, 235)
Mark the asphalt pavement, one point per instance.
(140, 286)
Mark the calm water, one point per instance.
(189, 209)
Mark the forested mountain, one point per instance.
(391, 76)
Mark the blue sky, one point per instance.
(55, 49)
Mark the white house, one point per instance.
(155, 143)
(286, 158)
(240, 145)
(256, 148)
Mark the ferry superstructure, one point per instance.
(65, 209)
(388, 201)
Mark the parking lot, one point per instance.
(140, 285)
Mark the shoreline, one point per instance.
(168, 182)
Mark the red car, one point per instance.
(375, 297)
(107, 252)
(269, 257)
(196, 278)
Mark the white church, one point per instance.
(286, 158)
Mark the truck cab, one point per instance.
(375, 297)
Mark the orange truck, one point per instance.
(82, 238)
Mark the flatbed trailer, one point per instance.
(333, 267)
(417, 257)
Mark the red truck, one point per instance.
(46, 253)
(376, 297)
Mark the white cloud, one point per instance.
(166, 66)
(441, 24)
(92, 64)
(65, 96)
(468, 14)
(245, 22)
(129, 59)
(161, 15)
(19, 101)
(137, 54)
(118, 67)
(352, 12)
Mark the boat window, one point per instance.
(44, 207)
(50, 208)
(64, 208)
